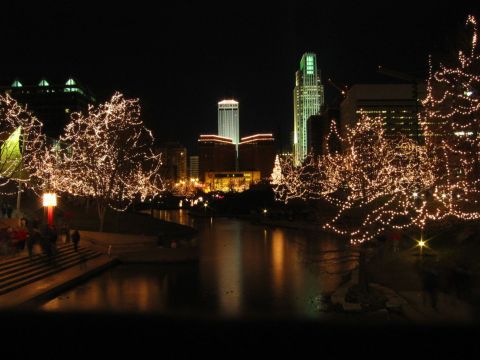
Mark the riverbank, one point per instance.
(438, 284)
(399, 275)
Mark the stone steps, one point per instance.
(21, 271)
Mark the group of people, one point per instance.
(15, 239)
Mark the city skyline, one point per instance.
(144, 56)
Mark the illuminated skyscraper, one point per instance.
(228, 122)
(307, 101)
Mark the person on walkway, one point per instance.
(53, 236)
(462, 281)
(67, 233)
(396, 238)
(4, 210)
(75, 239)
(9, 211)
(430, 287)
(44, 243)
(21, 236)
(31, 240)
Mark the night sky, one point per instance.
(181, 59)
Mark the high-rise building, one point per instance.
(307, 101)
(52, 103)
(174, 161)
(257, 153)
(228, 121)
(216, 153)
(397, 104)
(194, 160)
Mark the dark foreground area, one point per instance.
(94, 334)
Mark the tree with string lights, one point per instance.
(376, 183)
(21, 144)
(450, 123)
(294, 182)
(107, 156)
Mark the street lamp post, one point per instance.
(49, 201)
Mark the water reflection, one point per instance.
(243, 269)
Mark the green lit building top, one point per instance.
(51, 102)
(308, 100)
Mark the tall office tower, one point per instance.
(228, 122)
(307, 101)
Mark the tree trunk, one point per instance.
(19, 196)
(362, 268)
(117, 221)
(101, 214)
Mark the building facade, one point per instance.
(227, 181)
(308, 99)
(52, 103)
(228, 121)
(318, 128)
(193, 169)
(257, 153)
(174, 162)
(397, 104)
(216, 153)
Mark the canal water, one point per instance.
(244, 269)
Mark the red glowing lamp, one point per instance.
(49, 201)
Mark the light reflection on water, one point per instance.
(243, 269)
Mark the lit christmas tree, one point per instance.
(276, 178)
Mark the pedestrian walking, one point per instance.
(31, 240)
(51, 239)
(430, 287)
(396, 242)
(75, 239)
(4, 210)
(462, 281)
(9, 211)
(45, 245)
